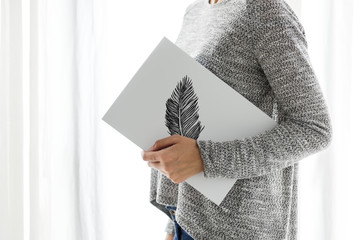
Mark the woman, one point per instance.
(259, 48)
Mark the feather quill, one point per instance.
(182, 111)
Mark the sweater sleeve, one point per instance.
(170, 228)
(280, 48)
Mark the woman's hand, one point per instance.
(176, 156)
(169, 236)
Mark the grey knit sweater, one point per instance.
(259, 48)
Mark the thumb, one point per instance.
(164, 142)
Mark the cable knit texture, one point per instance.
(259, 48)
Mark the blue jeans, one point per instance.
(180, 233)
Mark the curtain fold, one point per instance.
(49, 117)
(11, 121)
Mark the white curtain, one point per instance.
(64, 174)
(49, 119)
(329, 192)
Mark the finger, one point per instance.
(162, 171)
(155, 165)
(150, 156)
(165, 142)
(158, 167)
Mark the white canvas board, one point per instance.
(139, 112)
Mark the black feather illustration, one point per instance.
(182, 111)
